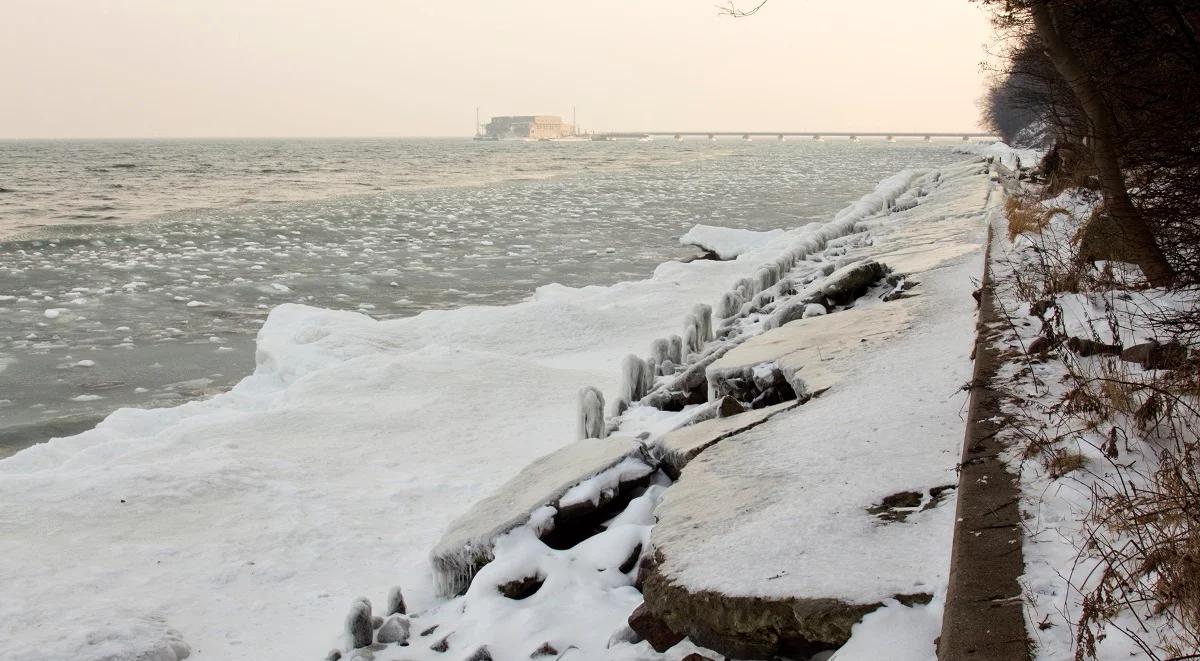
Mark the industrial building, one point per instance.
(533, 127)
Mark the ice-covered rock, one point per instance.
(395, 629)
(633, 378)
(359, 628)
(727, 242)
(395, 602)
(468, 543)
(591, 413)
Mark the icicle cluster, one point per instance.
(633, 378)
(591, 414)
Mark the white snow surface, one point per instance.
(1006, 155)
(895, 632)
(727, 242)
(245, 525)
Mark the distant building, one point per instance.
(535, 127)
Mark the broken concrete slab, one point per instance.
(750, 627)
(468, 542)
(679, 447)
(812, 354)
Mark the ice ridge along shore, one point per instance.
(242, 526)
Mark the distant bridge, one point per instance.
(782, 135)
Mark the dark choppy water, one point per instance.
(137, 273)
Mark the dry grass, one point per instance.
(1062, 462)
(1024, 217)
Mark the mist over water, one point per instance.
(137, 273)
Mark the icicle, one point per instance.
(731, 302)
(395, 602)
(620, 406)
(358, 623)
(648, 374)
(703, 313)
(676, 349)
(691, 339)
(745, 288)
(633, 378)
(591, 413)
(660, 352)
(765, 277)
(691, 334)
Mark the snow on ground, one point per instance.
(1059, 564)
(1011, 157)
(249, 522)
(727, 242)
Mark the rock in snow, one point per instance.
(394, 630)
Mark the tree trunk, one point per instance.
(1120, 234)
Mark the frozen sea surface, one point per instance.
(137, 273)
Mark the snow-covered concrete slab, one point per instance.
(559, 479)
(682, 445)
(773, 541)
(815, 353)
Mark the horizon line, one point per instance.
(455, 136)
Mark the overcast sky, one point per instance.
(184, 68)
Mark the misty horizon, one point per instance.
(139, 69)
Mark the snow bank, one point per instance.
(1010, 157)
(727, 242)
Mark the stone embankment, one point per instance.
(782, 469)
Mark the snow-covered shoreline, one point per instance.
(246, 523)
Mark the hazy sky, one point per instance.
(159, 68)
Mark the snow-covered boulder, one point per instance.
(727, 242)
(587, 472)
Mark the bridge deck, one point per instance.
(830, 134)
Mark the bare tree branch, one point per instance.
(731, 9)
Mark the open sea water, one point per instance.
(136, 273)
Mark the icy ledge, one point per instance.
(727, 242)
